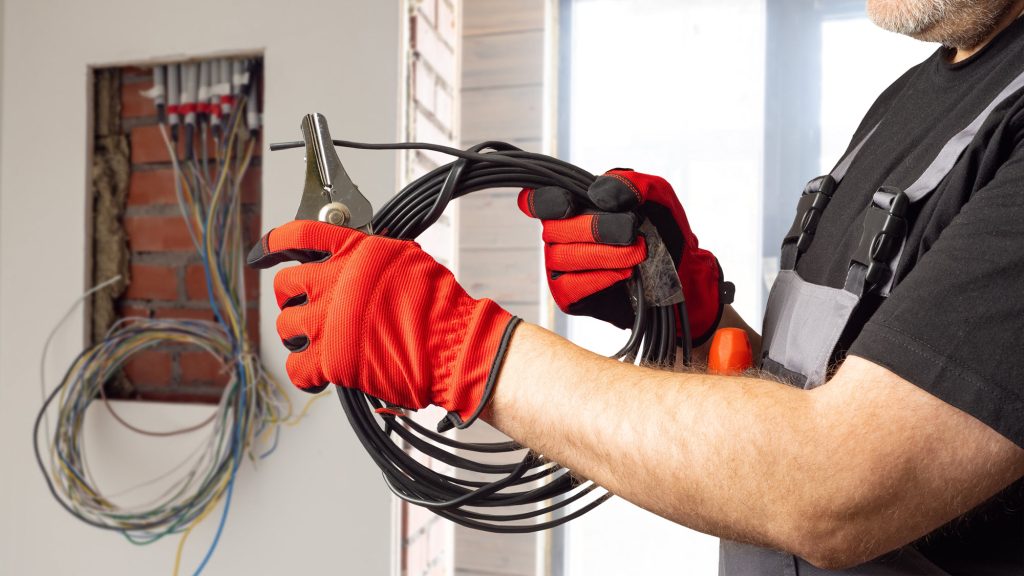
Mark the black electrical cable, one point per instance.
(526, 478)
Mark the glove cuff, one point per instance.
(706, 292)
(474, 374)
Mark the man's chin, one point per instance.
(914, 18)
(959, 24)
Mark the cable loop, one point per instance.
(400, 446)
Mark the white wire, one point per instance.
(53, 333)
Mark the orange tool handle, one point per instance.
(730, 352)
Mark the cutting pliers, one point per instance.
(329, 194)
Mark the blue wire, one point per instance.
(243, 385)
(240, 415)
(220, 526)
(236, 451)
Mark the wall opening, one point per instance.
(137, 225)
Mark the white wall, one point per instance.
(317, 506)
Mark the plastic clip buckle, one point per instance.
(885, 229)
(813, 202)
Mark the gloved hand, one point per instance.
(382, 316)
(589, 256)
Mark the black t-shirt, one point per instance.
(954, 323)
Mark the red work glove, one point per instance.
(382, 316)
(590, 256)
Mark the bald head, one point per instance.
(961, 24)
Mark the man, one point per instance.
(907, 460)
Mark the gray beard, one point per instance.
(960, 24)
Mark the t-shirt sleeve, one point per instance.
(954, 326)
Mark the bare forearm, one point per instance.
(639, 431)
(834, 474)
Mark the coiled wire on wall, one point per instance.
(523, 492)
(252, 407)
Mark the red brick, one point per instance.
(185, 313)
(149, 367)
(137, 71)
(151, 187)
(252, 320)
(195, 283)
(128, 311)
(157, 187)
(258, 147)
(196, 288)
(148, 146)
(252, 284)
(152, 283)
(251, 232)
(174, 395)
(201, 367)
(157, 234)
(252, 188)
(133, 103)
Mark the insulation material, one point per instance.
(111, 167)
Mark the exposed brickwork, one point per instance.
(149, 368)
(157, 234)
(153, 283)
(133, 103)
(148, 146)
(432, 85)
(156, 187)
(433, 79)
(167, 278)
(152, 188)
(202, 367)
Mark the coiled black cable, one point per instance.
(527, 479)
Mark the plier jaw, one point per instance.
(329, 194)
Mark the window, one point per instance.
(737, 103)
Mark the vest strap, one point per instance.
(884, 276)
(811, 206)
(885, 230)
(815, 198)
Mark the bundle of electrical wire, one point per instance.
(524, 492)
(247, 418)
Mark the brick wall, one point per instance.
(499, 248)
(470, 82)
(165, 272)
(432, 112)
(432, 82)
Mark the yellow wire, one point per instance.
(210, 506)
(269, 401)
(305, 409)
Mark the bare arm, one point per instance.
(838, 475)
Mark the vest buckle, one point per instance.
(885, 229)
(815, 198)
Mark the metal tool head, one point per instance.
(329, 194)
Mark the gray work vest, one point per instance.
(803, 322)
